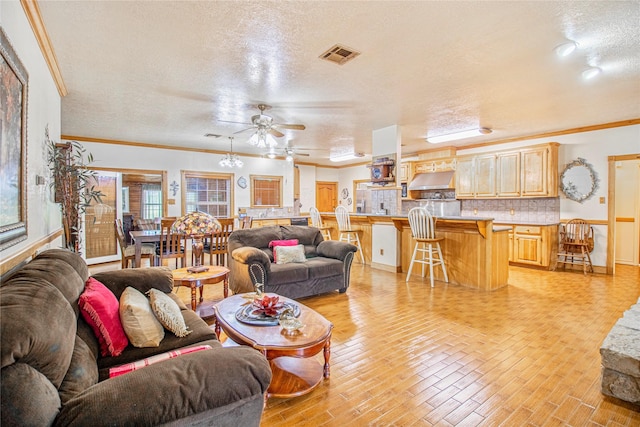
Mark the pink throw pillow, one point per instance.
(274, 243)
(133, 366)
(101, 310)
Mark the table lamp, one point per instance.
(196, 225)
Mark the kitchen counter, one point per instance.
(475, 251)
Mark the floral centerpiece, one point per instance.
(268, 306)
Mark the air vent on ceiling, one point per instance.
(339, 54)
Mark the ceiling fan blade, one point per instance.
(276, 133)
(243, 130)
(238, 123)
(301, 154)
(290, 126)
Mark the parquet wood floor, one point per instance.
(406, 354)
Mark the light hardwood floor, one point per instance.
(404, 354)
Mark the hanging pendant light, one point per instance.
(230, 160)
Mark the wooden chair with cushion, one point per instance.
(172, 245)
(128, 252)
(146, 224)
(216, 244)
(576, 243)
(316, 221)
(347, 234)
(427, 244)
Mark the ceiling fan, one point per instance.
(265, 128)
(289, 152)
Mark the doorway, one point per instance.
(326, 196)
(128, 194)
(623, 213)
(627, 205)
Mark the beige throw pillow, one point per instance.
(168, 313)
(138, 321)
(287, 254)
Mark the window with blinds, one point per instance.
(266, 191)
(151, 201)
(210, 193)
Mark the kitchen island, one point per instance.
(476, 252)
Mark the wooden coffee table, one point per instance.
(295, 371)
(215, 274)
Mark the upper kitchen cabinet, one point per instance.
(476, 176)
(404, 171)
(526, 172)
(539, 166)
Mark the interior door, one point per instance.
(100, 244)
(627, 208)
(326, 196)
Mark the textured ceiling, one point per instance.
(166, 72)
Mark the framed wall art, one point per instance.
(13, 146)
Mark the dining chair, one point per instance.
(576, 243)
(172, 245)
(316, 221)
(427, 244)
(128, 252)
(216, 244)
(146, 224)
(347, 234)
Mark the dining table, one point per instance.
(143, 236)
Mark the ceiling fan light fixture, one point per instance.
(566, 49)
(231, 160)
(263, 139)
(345, 156)
(458, 135)
(289, 158)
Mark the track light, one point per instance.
(566, 49)
(591, 73)
(458, 135)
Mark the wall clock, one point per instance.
(242, 182)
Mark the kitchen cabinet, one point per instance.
(508, 171)
(476, 176)
(533, 244)
(404, 172)
(464, 178)
(527, 172)
(263, 222)
(539, 171)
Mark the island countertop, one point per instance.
(476, 252)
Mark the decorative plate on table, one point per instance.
(246, 315)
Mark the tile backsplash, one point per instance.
(542, 210)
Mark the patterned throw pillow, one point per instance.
(288, 254)
(100, 309)
(168, 313)
(140, 324)
(275, 243)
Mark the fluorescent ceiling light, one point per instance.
(566, 49)
(591, 73)
(458, 135)
(345, 157)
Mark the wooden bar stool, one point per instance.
(316, 221)
(347, 234)
(424, 233)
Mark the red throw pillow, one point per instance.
(133, 366)
(274, 243)
(100, 309)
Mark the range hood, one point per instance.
(432, 181)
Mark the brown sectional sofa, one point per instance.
(327, 267)
(53, 374)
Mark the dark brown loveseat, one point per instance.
(327, 266)
(52, 373)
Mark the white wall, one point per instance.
(346, 177)
(43, 108)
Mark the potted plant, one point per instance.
(73, 185)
